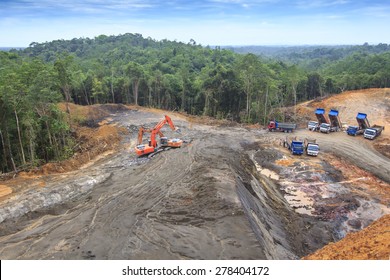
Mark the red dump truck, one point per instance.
(283, 127)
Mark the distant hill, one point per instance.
(310, 57)
(6, 49)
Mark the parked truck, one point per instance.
(313, 126)
(354, 130)
(311, 147)
(320, 114)
(334, 120)
(362, 121)
(334, 123)
(363, 124)
(295, 146)
(373, 132)
(283, 127)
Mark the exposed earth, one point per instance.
(231, 192)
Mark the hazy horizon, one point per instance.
(208, 22)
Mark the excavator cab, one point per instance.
(164, 141)
(175, 143)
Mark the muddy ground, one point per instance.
(229, 193)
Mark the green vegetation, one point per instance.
(32, 129)
(163, 74)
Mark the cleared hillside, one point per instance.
(372, 242)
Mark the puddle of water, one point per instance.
(299, 200)
(266, 172)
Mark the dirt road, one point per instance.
(357, 150)
(207, 200)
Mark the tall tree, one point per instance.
(63, 65)
(135, 72)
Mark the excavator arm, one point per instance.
(157, 128)
(141, 132)
(169, 121)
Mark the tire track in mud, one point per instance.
(356, 150)
(167, 208)
(203, 201)
(314, 187)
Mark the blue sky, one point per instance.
(209, 22)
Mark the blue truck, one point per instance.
(334, 122)
(334, 118)
(363, 124)
(321, 117)
(295, 146)
(354, 130)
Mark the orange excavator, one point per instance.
(151, 148)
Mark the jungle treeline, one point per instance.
(188, 77)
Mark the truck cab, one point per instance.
(352, 130)
(325, 128)
(370, 133)
(296, 147)
(313, 125)
(312, 149)
(272, 125)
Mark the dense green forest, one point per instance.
(188, 77)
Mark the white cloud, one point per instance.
(307, 4)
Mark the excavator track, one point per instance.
(159, 151)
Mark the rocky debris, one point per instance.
(48, 196)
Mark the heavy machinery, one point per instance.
(320, 114)
(295, 146)
(311, 146)
(354, 130)
(362, 121)
(325, 128)
(313, 126)
(334, 123)
(152, 148)
(363, 124)
(334, 119)
(284, 127)
(373, 131)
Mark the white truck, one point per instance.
(313, 126)
(311, 147)
(373, 131)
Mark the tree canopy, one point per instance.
(131, 69)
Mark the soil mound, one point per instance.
(372, 243)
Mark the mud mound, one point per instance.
(372, 243)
